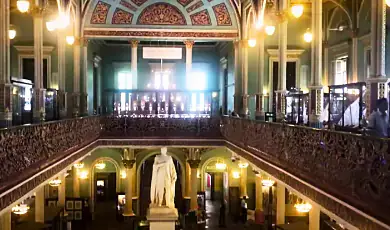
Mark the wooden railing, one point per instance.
(352, 167)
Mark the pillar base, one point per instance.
(84, 104)
(5, 119)
(260, 115)
(62, 103)
(76, 105)
(162, 218)
(129, 214)
(39, 114)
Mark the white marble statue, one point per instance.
(163, 180)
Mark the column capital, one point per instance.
(134, 43)
(128, 163)
(77, 41)
(84, 41)
(189, 44)
(194, 163)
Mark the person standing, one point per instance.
(378, 122)
(244, 210)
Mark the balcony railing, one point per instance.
(352, 167)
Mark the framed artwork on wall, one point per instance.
(70, 215)
(78, 204)
(78, 215)
(69, 205)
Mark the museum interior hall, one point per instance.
(194, 114)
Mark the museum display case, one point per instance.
(22, 94)
(297, 104)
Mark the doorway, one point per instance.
(291, 79)
(105, 186)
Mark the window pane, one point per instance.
(157, 80)
(193, 102)
(201, 102)
(196, 81)
(129, 81)
(121, 81)
(165, 80)
(123, 101)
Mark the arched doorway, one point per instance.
(215, 181)
(145, 175)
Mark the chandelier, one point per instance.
(267, 183)
(220, 165)
(100, 165)
(303, 207)
(55, 183)
(20, 209)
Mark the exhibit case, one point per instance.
(22, 94)
(297, 104)
(347, 107)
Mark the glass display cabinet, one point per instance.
(51, 105)
(22, 93)
(297, 104)
(347, 106)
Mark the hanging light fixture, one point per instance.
(220, 165)
(252, 42)
(236, 175)
(297, 10)
(23, 5)
(267, 183)
(70, 40)
(100, 165)
(20, 209)
(51, 25)
(308, 36)
(79, 165)
(55, 183)
(12, 34)
(243, 164)
(303, 207)
(270, 30)
(123, 174)
(83, 175)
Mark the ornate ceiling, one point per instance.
(176, 19)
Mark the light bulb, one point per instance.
(51, 25)
(70, 40)
(308, 36)
(270, 30)
(23, 5)
(62, 21)
(252, 42)
(11, 34)
(297, 10)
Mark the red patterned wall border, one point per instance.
(121, 17)
(161, 14)
(202, 18)
(222, 15)
(100, 12)
(139, 2)
(128, 5)
(184, 2)
(115, 33)
(195, 6)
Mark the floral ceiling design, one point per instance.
(199, 16)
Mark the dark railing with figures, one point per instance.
(354, 168)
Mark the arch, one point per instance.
(152, 153)
(154, 15)
(203, 169)
(92, 177)
(343, 8)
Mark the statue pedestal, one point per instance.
(162, 218)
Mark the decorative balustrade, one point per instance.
(160, 127)
(354, 168)
(24, 150)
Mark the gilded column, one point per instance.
(134, 59)
(281, 92)
(61, 47)
(128, 162)
(76, 77)
(259, 193)
(39, 91)
(189, 46)
(243, 180)
(5, 83)
(5, 220)
(84, 89)
(280, 203)
(354, 51)
(260, 115)
(40, 205)
(377, 82)
(193, 161)
(188, 181)
(76, 182)
(61, 190)
(316, 88)
(314, 217)
(237, 76)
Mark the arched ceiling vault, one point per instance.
(157, 19)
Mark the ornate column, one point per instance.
(76, 182)
(76, 78)
(61, 190)
(244, 110)
(193, 161)
(5, 221)
(189, 45)
(354, 51)
(188, 181)
(84, 92)
(280, 203)
(39, 91)
(377, 82)
(40, 205)
(314, 217)
(243, 180)
(237, 76)
(128, 162)
(281, 92)
(61, 48)
(134, 59)
(259, 216)
(5, 83)
(316, 88)
(260, 115)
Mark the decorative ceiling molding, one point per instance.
(128, 5)
(222, 15)
(121, 17)
(195, 6)
(202, 18)
(99, 15)
(184, 2)
(161, 14)
(139, 2)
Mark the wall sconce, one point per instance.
(100, 165)
(243, 165)
(11, 33)
(236, 175)
(267, 183)
(303, 207)
(23, 5)
(20, 209)
(79, 165)
(270, 30)
(55, 183)
(297, 10)
(123, 174)
(50, 25)
(252, 42)
(83, 175)
(70, 40)
(308, 36)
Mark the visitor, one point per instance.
(222, 214)
(378, 122)
(244, 210)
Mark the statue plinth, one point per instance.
(162, 218)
